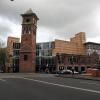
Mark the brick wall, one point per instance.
(74, 46)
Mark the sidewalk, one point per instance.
(84, 77)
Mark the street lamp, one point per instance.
(40, 57)
(72, 61)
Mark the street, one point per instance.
(46, 87)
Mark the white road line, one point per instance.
(65, 86)
(2, 80)
(89, 83)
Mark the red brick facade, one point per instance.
(78, 62)
(93, 72)
(28, 42)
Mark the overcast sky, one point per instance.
(60, 19)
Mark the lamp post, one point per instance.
(72, 61)
(40, 58)
(58, 61)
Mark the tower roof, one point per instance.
(29, 11)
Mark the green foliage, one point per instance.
(2, 56)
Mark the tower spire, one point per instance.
(29, 11)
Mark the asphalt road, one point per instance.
(46, 87)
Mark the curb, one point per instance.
(78, 77)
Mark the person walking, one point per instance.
(47, 69)
(72, 70)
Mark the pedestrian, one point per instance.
(72, 70)
(47, 69)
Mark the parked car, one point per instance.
(68, 72)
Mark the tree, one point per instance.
(2, 44)
(2, 55)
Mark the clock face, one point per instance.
(27, 20)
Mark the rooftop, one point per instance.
(29, 11)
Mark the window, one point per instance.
(37, 52)
(27, 20)
(25, 57)
(46, 45)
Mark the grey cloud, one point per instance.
(4, 30)
(59, 16)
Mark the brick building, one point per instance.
(74, 46)
(10, 54)
(78, 62)
(91, 47)
(27, 59)
(16, 55)
(10, 42)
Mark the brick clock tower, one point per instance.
(28, 42)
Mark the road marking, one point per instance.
(90, 83)
(2, 80)
(66, 86)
